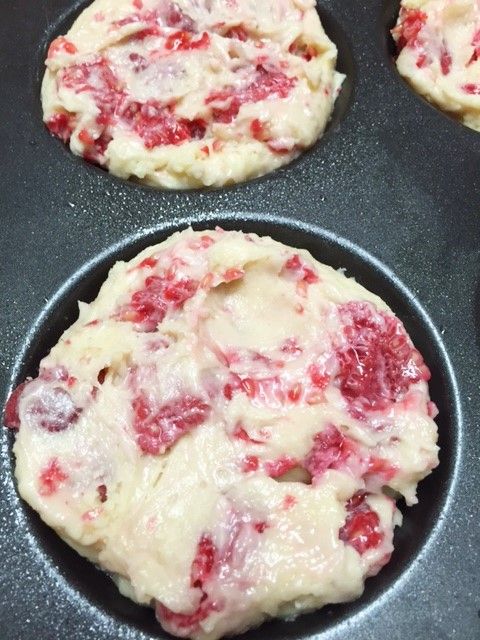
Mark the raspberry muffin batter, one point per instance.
(438, 44)
(218, 426)
(194, 92)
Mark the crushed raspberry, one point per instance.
(445, 61)
(97, 79)
(318, 379)
(203, 563)
(305, 51)
(471, 88)
(381, 467)
(53, 409)
(422, 61)
(411, 23)
(266, 83)
(241, 434)
(233, 274)
(157, 125)
(51, 478)
(149, 306)
(362, 525)
(150, 263)
(11, 416)
(379, 363)
(61, 45)
(280, 466)
(237, 33)
(249, 385)
(85, 138)
(330, 450)
(140, 63)
(260, 526)
(174, 17)
(291, 347)
(289, 501)
(296, 267)
(51, 374)
(138, 4)
(61, 125)
(295, 393)
(257, 129)
(250, 463)
(202, 568)
(183, 624)
(271, 390)
(158, 429)
(183, 41)
(476, 48)
(102, 492)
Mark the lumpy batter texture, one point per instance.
(438, 44)
(217, 428)
(194, 92)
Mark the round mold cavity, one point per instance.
(420, 522)
(388, 19)
(66, 18)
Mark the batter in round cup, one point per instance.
(217, 430)
(191, 93)
(438, 44)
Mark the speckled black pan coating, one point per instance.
(391, 193)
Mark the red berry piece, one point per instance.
(471, 88)
(280, 466)
(174, 17)
(203, 563)
(184, 41)
(266, 83)
(411, 23)
(184, 624)
(51, 478)
(445, 60)
(233, 274)
(250, 463)
(379, 363)
(318, 379)
(241, 434)
(159, 428)
(102, 492)
(97, 79)
(362, 525)
(299, 270)
(61, 125)
(381, 468)
(303, 50)
(237, 33)
(476, 48)
(157, 124)
(148, 306)
(12, 418)
(53, 409)
(61, 45)
(260, 526)
(330, 450)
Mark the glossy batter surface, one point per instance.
(194, 92)
(439, 54)
(216, 428)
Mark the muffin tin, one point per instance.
(390, 193)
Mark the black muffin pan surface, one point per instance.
(391, 193)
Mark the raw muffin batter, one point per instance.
(216, 428)
(194, 92)
(439, 54)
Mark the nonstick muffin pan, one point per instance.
(391, 194)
